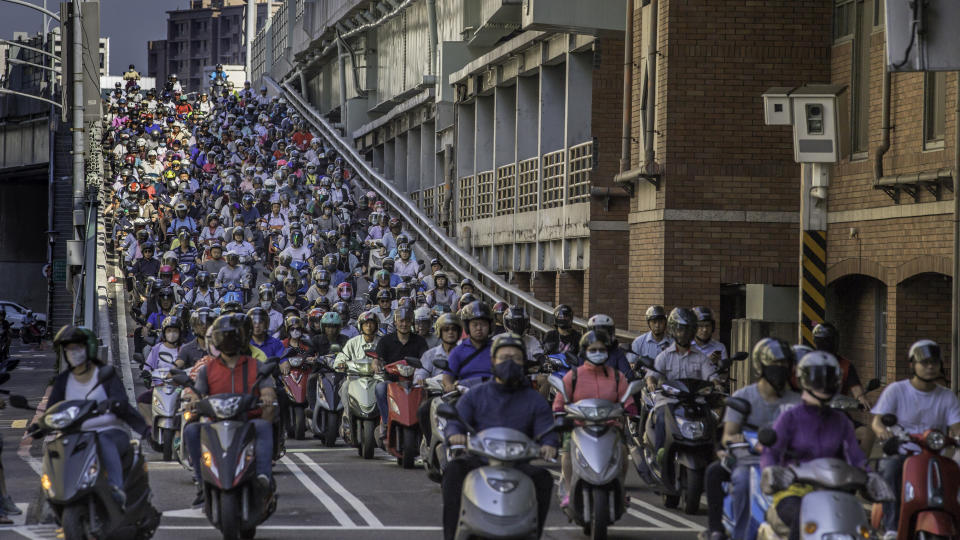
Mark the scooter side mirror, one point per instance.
(441, 363)
(635, 387)
(446, 410)
(557, 383)
(740, 356)
(767, 436)
(413, 361)
(742, 406)
(182, 379)
(872, 385)
(889, 419)
(267, 368)
(647, 362)
(20, 402)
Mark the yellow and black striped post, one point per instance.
(813, 283)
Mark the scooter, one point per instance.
(597, 494)
(433, 453)
(744, 454)
(295, 385)
(832, 510)
(327, 409)
(403, 398)
(497, 501)
(689, 426)
(166, 412)
(73, 479)
(233, 501)
(362, 415)
(930, 502)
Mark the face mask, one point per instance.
(511, 373)
(777, 376)
(265, 304)
(76, 357)
(295, 334)
(597, 357)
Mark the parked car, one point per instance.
(16, 312)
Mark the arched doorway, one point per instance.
(857, 305)
(923, 311)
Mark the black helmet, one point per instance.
(76, 334)
(682, 325)
(563, 316)
(202, 317)
(343, 309)
(466, 300)
(826, 338)
(773, 359)
(476, 310)
(257, 315)
(230, 333)
(499, 309)
(467, 282)
(656, 312)
(203, 278)
(516, 320)
(704, 315)
(507, 339)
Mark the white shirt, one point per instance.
(692, 365)
(78, 390)
(919, 411)
(647, 345)
(301, 253)
(710, 347)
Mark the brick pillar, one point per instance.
(569, 290)
(606, 281)
(543, 285)
(893, 344)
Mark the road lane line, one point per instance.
(401, 528)
(667, 514)
(331, 505)
(635, 513)
(357, 505)
(121, 307)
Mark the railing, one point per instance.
(506, 189)
(580, 161)
(553, 164)
(446, 249)
(415, 197)
(528, 182)
(485, 194)
(429, 205)
(467, 202)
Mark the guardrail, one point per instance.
(452, 255)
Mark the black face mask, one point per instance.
(511, 373)
(777, 376)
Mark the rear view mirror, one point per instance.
(182, 379)
(557, 383)
(767, 436)
(446, 410)
(646, 362)
(441, 363)
(742, 406)
(889, 419)
(740, 356)
(105, 374)
(267, 367)
(635, 387)
(413, 361)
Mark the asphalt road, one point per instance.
(327, 493)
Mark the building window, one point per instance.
(878, 14)
(860, 79)
(934, 109)
(843, 19)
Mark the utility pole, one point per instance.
(251, 34)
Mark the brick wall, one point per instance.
(645, 279)
(923, 312)
(856, 321)
(607, 275)
(569, 290)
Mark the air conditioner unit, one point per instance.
(574, 16)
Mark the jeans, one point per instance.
(263, 447)
(114, 443)
(891, 468)
(452, 485)
(381, 391)
(740, 478)
(788, 510)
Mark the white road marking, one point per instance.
(425, 528)
(331, 505)
(667, 514)
(357, 505)
(121, 304)
(34, 532)
(185, 513)
(303, 450)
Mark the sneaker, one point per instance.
(263, 481)
(889, 535)
(198, 500)
(9, 507)
(4, 520)
(712, 535)
(119, 496)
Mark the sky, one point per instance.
(129, 24)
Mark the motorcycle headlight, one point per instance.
(505, 449)
(503, 486)
(246, 457)
(62, 419)
(935, 441)
(363, 368)
(594, 413)
(225, 407)
(405, 370)
(690, 429)
(296, 361)
(90, 472)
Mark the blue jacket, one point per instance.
(478, 366)
(272, 347)
(493, 405)
(618, 359)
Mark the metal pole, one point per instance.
(955, 285)
(90, 265)
(342, 64)
(251, 31)
(29, 96)
(31, 64)
(813, 250)
(79, 184)
(43, 10)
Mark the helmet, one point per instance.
(331, 318)
(925, 351)
(682, 325)
(292, 321)
(656, 312)
(704, 314)
(403, 314)
(422, 314)
(499, 309)
(76, 334)
(602, 322)
(476, 310)
(563, 316)
(365, 317)
(467, 282)
(516, 320)
(465, 300)
(447, 319)
(201, 317)
(507, 339)
(166, 271)
(343, 309)
(345, 291)
(773, 359)
(382, 276)
(826, 338)
(593, 336)
(266, 292)
(384, 294)
(230, 333)
(819, 371)
(291, 281)
(799, 351)
(440, 274)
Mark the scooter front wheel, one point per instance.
(691, 482)
(331, 428)
(601, 514)
(74, 521)
(409, 446)
(367, 440)
(167, 440)
(229, 515)
(299, 423)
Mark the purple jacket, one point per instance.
(808, 433)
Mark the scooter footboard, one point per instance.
(832, 512)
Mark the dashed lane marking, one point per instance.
(19, 424)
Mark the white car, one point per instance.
(17, 312)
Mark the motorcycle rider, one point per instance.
(768, 397)
(827, 338)
(202, 295)
(811, 430)
(652, 343)
(593, 379)
(260, 321)
(192, 351)
(517, 321)
(393, 347)
(441, 293)
(703, 339)
(617, 356)
(78, 347)
(678, 361)
(331, 323)
(423, 326)
(267, 294)
(920, 404)
(505, 401)
(564, 337)
(291, 297)
(448, 327)
(163, 356)
(470, 360)
(146, 265)
(232, 273)
(222, 375)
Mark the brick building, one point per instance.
(725, 213)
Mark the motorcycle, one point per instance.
(497, 501)
(597, 493)
(32, 331)
(930, 502)
(433, 452)
(689, 426)
(233, 501)
(73, 479)
(832, 510)
(165, 408)
(744, 454)
(327, 407)
(362, 415)
(5, 339)
(403, 398)
(295, 385)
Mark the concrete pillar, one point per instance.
(414, 181)
(505, 126)
(528, 109)
(428, 156)
(389, 159)
(552, 99)
(400, 167)
(484, 133)
(466, 135)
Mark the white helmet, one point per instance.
(422, 314)
(601, 322)
(820, 371)
(141, 141)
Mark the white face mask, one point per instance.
(597, 357)
(76, 357)
(265, 304)
(295, 334)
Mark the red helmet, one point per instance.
(345, 292)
